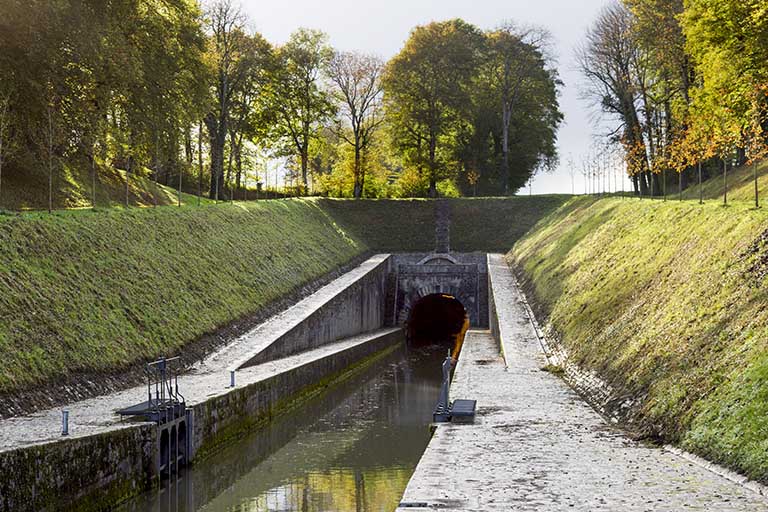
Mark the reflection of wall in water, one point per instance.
(328, 438)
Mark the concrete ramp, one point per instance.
(350, 305)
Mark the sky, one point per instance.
(382, 27)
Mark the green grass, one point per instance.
(403, 225)
(741, 185)
(387, 225)
(97, 291)
(667, 301)
(495, 224)
(73, 188)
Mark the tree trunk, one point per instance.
(217, 138)
(238, 164)
(304, 168)
(50, 161)
(432, 167)
(644, 184)
(505, 148)
(93, 175)
(741, 156)
(757, 198)
(127, 180)
(199, 162)
(188, 151)
(358, 189)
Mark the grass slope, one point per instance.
(73, 188)
(96, 291)
(387, 225)
(495, 224)
(741, 185)
(667, 302)
(403, 225)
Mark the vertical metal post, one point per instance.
(65, 422)
(232, 378)
(757, 198)
(701, 191)
(444, 397)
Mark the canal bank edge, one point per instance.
(230, 417)
(545, 480)
(99, 471)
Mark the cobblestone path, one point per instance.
(536, 445)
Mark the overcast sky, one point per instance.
(382, 27)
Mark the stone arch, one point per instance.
(438, 259)
(419, 293)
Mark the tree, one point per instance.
(300, 103)
(226, 25)
(428, 93)
(728, 42)
(608, 60)
(516, 61)
(250, 116)
(358, 92)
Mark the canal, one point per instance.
(353, 448)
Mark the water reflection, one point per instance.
(351, 449)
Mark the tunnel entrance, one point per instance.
(438, 319)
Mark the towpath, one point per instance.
(536, 445)
(208, 378)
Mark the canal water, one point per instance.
(353, 448)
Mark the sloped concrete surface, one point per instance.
(98, 415)
(536, 445)
(207, 379)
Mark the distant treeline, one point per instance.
(683, 82)
(181, 92)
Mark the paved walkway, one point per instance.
(208, 378)
(536, 445)
(97, 415)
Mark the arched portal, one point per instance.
(437, 318)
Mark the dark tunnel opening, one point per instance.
(438, 319)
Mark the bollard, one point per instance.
(65, 423)
(232, 378)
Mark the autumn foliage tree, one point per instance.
(698, 77)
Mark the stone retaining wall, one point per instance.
(358, 308)
(220, 419)
(79, 473)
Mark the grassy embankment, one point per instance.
(96, 292)
(667, 301)
(482, 224)
(73, 188)
(741, 185)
